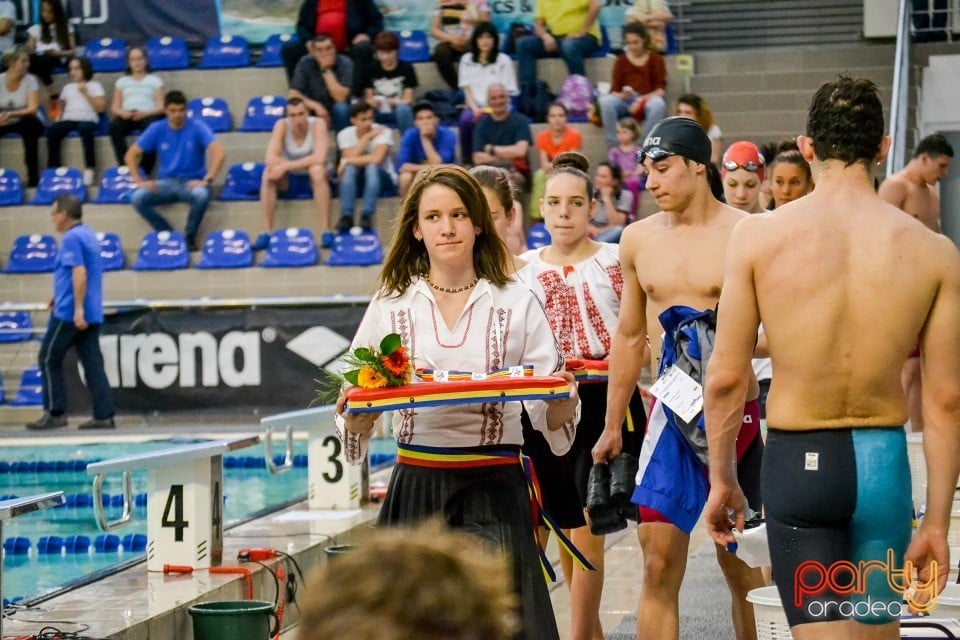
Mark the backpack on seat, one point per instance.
(576, 95)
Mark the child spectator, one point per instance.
(389, 87)
(82, 101)
(693, 106)
(452, 27)
(482, 66)
(425, 144)
(365, 165)
(137, 102)
(638, 84)
(552, 141)
(613, 204)
(51, 41)
(624, 156)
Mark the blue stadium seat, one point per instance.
(413, 46)
(225, 52)
(15, 326)
(162, 251)
(262, 112)
(538, 236)
(291, 247)
(107, 55)
(243, 182)
(167, 54)
(116, 186)
(111, 253)
(30, 392)
(271, 49)
(11, 188)
(214, 112)
(60, 180)
(32, 254)
(227, 249)
(298, 187)
(355, 250)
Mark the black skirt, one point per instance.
(491, 503)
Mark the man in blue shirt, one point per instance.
(75, 319)
(424, 144)
(180, 144)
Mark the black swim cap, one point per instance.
(676, 136)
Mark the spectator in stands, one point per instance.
(365, 165)
(790, 174)
(8, 26)
(19, 101)
(76, 313)
(481, 67)
(51, 42)
(363, 22)
(614, 204)
(638, 86)
(624, 156)
(693, 106)
(181, 144)
(743, 171)
(452, 27)
(298, 145)
(415, 582)
(502, 137)
(137, 102)
(567, 28)
(424, 144)
(322, 80)
(82, 101)
(654, 15)
(552, 141)
(389, 86)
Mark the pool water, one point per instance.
(26, 470)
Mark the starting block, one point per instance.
(10, 509)
(184, 500)
(333, 483)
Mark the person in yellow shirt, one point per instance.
(567, 28)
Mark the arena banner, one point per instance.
(135, 22)
(256, 360)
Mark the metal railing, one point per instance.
(936, 21)
(900, 94)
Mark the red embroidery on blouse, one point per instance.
(615, 273)
(402, 325)
(563, 314)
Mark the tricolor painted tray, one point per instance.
(588, 370)
(435, 394)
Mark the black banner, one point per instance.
(240, 360)
(136, 22)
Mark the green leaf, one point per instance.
(390, 344)
(352, 376)
(363, 353)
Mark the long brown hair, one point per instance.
(408, 258)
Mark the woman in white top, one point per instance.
(137, 102)
(82, 101)
(445, 289)
(582, 283)
(482, 66)
(51, 41)
(692, 106)
(452, 27)
(19, 101)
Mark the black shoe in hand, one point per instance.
(601, 512)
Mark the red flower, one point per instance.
(396, 363)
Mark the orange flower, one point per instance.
(396, 363)
(370, 378)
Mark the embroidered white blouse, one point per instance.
(582, 301)
(498, 327)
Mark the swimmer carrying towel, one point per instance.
(843, 283)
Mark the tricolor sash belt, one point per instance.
(508, 455)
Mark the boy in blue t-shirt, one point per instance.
(425, 143)
(181, 145)
(75, 319)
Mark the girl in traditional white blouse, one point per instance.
(445, 289)
(582, 283)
